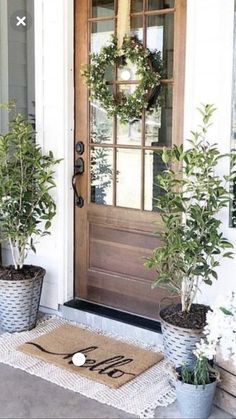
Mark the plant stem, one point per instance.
(183, 295)
(13, 254)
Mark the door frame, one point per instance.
(56, 17)
(63, 284)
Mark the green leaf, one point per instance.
(228, 255)
(208, 281)
(226, 312)
(32, 245)
(48, 225)
(226, 245)
(165, 156)
(214, 274)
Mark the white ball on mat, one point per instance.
(78, 359)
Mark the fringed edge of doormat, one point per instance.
(140, 397)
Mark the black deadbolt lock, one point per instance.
(79, 148)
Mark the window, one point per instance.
(17, 57)
(125, 159)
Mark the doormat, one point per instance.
(108, 361)
(139, 394)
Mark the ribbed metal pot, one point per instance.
(195, 401)
(179, 343)
(19, 302)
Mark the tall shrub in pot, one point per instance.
(192, 243)
(26, 212)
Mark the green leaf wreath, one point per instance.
(149, 70)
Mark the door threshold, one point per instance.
(113, 314)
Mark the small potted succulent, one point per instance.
(195, 387)
(192, 243)
(26, 212)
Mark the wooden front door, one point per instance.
(114, 230)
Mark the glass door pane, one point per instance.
(101, 34)
(160, 4)
(123, 152)
(102, 8)
(136, 6)
(100, 125)
(136, 27)
(153, 166)
(159, 123)
(128, 178)
(129, 134)
(160, 36)
(101, 175)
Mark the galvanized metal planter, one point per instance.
(195, 401)
(19, 302)
(179, 343)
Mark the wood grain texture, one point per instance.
(228, 381)
(226, 365)
(226, 391)
(225, 401)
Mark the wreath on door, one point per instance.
(149, 69)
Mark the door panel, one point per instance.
(114, 230)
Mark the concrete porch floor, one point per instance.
(26, 396)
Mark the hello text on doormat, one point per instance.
(108, 361)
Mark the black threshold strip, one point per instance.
(114, 314)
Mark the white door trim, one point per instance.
(54, 47)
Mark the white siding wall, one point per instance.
(54, 117)
(208, 79)
(209, 66)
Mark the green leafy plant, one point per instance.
(192, 243)
(199, 375)
(26, 179)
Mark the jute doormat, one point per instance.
(139, 396)
(108, 361)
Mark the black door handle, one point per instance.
(79, 200)
(79, 166)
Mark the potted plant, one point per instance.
(26, 211)
(195, 387)
(192, 243)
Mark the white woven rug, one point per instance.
(140, 396)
